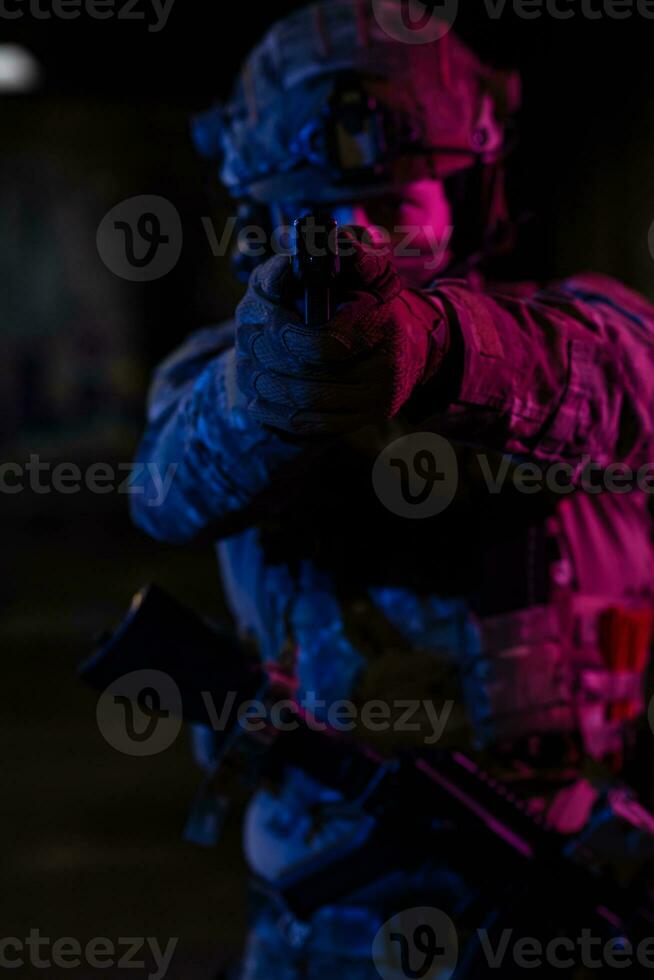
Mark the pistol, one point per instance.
(316, 265)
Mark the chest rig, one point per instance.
(572, 666)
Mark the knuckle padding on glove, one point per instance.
(372, 269)
(294, 345)
(291, 346)
(322, 379)
(319, 396)
(322, 344)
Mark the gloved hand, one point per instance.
(361, 367)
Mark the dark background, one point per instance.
(92, 838)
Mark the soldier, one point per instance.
(528, 613)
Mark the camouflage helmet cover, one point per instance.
(329, 81)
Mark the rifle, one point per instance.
(419, 803)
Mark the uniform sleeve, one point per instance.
(559, 374)
(204, 466)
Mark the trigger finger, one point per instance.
(272, 279)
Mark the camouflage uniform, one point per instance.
(531, 611)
